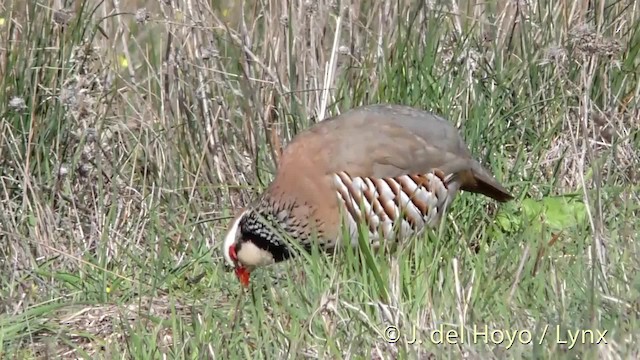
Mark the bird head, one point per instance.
(241, 253)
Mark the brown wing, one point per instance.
(389, 141)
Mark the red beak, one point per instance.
(243, 275)
(241, 272)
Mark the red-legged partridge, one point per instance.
(402, 166)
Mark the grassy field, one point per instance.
(129, 135)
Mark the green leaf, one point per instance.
(560, 213)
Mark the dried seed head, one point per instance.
(84, 169)
(334, 6)
(90, 135)
(63, 16)
(284, 20)
(17, 103)
(488, 37)
(556, 53)
(587, 41)
(63, 170)
(142, 15)
(311, 7)
(208, 52)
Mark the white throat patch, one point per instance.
(230, 238)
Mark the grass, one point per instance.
(129, 136)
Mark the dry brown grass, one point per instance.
(161, 115)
